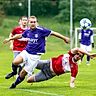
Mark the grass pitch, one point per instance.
(58, 86)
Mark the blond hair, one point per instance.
(33, 17)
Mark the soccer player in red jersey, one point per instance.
(59, 65)
(19, 44)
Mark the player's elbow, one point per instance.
(30, 79)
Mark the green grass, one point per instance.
(59, 85)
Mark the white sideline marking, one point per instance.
(46, 93)
(27, 90)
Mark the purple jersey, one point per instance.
(36, 40)
(86, 36)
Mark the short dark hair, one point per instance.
(79, 53)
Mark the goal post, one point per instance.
(76, 37)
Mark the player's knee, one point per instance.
(23, 73)
(17, 60)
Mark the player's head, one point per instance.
(23, 21)
(32, 22)
(78, 56)
(85, 23)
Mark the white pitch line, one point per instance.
(46, 93)
(40, 92)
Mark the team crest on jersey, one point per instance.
(36, 35)
(87, 34)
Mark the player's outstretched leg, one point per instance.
(14, 68)
(20, 68)
(20, 78)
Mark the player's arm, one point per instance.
(92, 55)
(79, 36)
(92, 41)
(66, 39)
(11, 42)
(17, 36)
(74, 72)
(72, 84)
(76, 50)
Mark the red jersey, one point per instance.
(18, 45)
(64, 63)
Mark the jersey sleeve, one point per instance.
(13, 31)
(46, 32)
(74, 70)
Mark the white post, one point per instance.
(76, 37)
(29, 8)
(71, 23)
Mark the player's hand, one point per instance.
(6, 40)
(93, 55)
(72, 85)
(67, 40)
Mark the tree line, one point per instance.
(60, 9)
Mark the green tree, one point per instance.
(15, 7)
(44, 7)
(64, 11)
(84, 8)
(38, 7)
(2, 14)
(81, 8)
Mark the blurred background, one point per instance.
(53, 14)
(59, 9)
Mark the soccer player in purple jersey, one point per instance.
(86, 37)
(36, 46)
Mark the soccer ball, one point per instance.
(85, 23)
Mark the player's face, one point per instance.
(32, 23)
(24, 21)
(78, 56)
